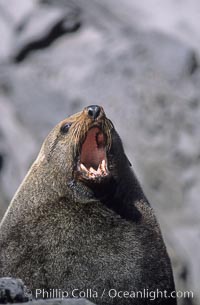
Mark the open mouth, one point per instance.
(92, 163)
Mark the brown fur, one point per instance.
(60, 232)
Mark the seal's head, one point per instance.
(86, 150)
(92, 142)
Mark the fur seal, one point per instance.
(80, 222)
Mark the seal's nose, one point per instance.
(94, 111)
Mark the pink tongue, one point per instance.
(93, 153)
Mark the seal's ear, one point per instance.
(130, 164)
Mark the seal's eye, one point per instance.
(65, 127)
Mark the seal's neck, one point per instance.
(122, 194)
(36, 190)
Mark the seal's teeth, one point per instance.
(99, 170)
(92, 170)
(93, 174)
(103, 165)
(102, 168)
(83, 168)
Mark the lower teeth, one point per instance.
(92, 173)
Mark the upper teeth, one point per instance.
(83, 167)
(92, 173)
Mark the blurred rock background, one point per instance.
(140, 61)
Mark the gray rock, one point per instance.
(42, 28)
(12, 146)
(5, 34)
(14, 12)
(12, 291)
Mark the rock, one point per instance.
(1, 162)
(5, 34)
(173, 58)
(42, 28)
(12, 291)
(14, 142)
(13, 13)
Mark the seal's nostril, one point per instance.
(90, 112)
(93, 111)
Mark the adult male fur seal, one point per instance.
(80, 222)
